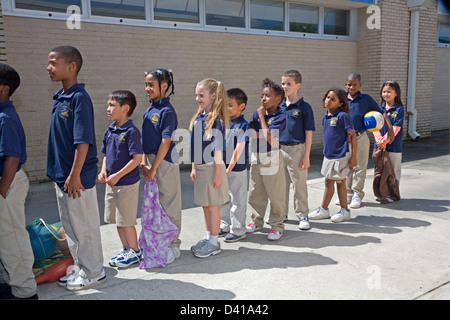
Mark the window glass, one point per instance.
(267, 15)
(229, 13)
(444, 33)
(176, 10)
(47, 5)
(336, 21)
(131, 9)
(303, 19)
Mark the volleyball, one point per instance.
(373, 121)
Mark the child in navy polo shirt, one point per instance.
(391, 102)
(296, 140)
(72, 165)
(16, 253)
(120, 170)
(337, 131)
(161, 158)
(233, 213)
(360, 104)
(267, 177)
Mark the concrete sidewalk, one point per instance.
(394, 251)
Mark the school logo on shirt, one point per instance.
(394, 115)
(295, 113)
(65, 112)
(333, 122)
(155, 118)
(269, 122)
(122, 137)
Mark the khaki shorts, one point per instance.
(121, 204)
(204, 192)
(336, 169)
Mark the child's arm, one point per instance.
(150, 172)
(265, 131)
(354, 143)
(240, 146)
(10, 166)
(382, 141)
(73, 182)
(193, 172)
(103, 175)
(133, 163)
(217, 181)
(304, 163)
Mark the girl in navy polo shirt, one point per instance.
(391, 102)
(208, 170)
(337, 127)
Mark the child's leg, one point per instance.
(342, 193)
(212, 221)
(328, 193)
(128, 237)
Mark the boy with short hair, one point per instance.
(360, 104)
(267, 178)
(72, 165)
(233, 213)
(296, 140)
(16, 253)
(123, 154)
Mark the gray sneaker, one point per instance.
(206, 249)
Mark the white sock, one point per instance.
(214, 240)
(208, 235)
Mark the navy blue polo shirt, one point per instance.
(335, 128)
(299, 118)
(236, 134)
(12, 135)
(202, 153)
(396, 115)
(160, 121)
(71, 123)
(274, 121)
(119, 146)
(359, 106)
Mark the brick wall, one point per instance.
(115, 57)
(441, 89)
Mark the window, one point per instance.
(131, 9)
(176, 10)
(303, 19)
(444, 33)
(229, 13)
(47, 5)
(336, 22)
(267, 15)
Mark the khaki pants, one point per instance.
(292, 155)
(81, 222)
(357, 176)
(268, 182)
(169, 186)
(16, 253)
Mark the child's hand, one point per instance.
(261, 111)
(352, 162)
(217, 181)
(193, 174)
(102, 176)
(304, 164)
(73, 186)
(112, 179)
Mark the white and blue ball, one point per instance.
(373, 121)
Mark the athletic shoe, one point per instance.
(206, 249)
(274, 235)
(349, 199)
(82, 282)
(342, 215)
(62, 282)
(231, 237)
(128, 258)
(252, 228)
(172, 254)
(356, 202)
(319, 213)
(304, 223)
(222, 232)
(112, 261)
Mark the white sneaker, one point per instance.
(274, 235)
(304, 224)
(251, 227)
(356, 202)
(319, 213)
(82, 282)
(342, 215)
(172, 254)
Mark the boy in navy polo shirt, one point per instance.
(233, 213)
(72, 165)
(267, 178)
(360, 104)
(16, 253)
(296, 142)
(123, 154)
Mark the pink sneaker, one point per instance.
(252, 228)
(274, 235)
